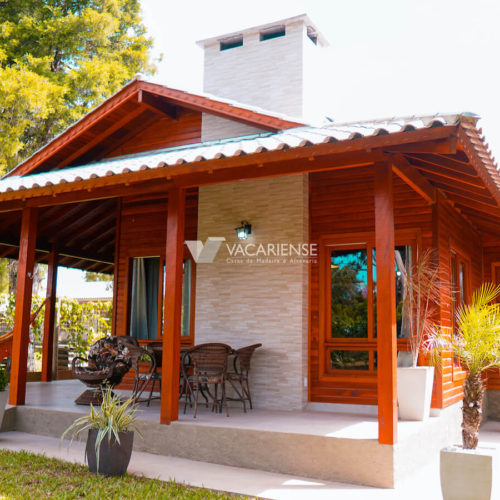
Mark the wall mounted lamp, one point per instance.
(244, 230)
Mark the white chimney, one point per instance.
(276, 67)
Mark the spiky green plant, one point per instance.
(476, 345)
(423, 288)
(115, 416)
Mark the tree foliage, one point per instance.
(81, 323)
(476, 345)
(58, 60)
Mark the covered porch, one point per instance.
(368, 187)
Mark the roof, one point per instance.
(227, 148)
(132, 95)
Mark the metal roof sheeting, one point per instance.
(227, 148)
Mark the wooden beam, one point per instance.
(172, 306)
(386, 306)
(115, 269)
(83, 220)
(102, 136)
(49, 319)
(81, 126)
(145, 123)
(345, 154)
(23, 307)
(442, 146)
(409, 174)
(158, 105)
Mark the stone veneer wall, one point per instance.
(245, 303)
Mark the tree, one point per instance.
(91, 276)
(476, 345)
(58, 60)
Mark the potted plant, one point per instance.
(4, 393)
(110, 434)
(466, 472)
(421, 291)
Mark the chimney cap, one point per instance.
(311, 30)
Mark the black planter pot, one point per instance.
(114, 457)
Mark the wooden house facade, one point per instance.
(136, 178)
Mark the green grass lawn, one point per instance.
(26, 475)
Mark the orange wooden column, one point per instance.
(23, 306)
(49, 319)
(172, 306)
(386, 306)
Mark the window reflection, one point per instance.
(403, 258)
(349, 360)
(349, 289)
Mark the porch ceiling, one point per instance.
(83, 233)
(441, 152)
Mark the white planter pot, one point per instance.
(467, 474)
(4, 397)
(415, 392)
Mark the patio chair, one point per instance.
(239, 377)
(156, 349)
(144, 364)
(108, 361)
(209, 366)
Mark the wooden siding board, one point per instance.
(342, 202)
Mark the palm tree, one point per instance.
(476, 344)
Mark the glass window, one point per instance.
(403, 258)
(186, 298)
(349, 360)
(187, 278)
(144, 297)
(349, 289)
(461, 282)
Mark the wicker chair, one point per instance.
(209, 362)
(108, 361)
(239, 377)
(156, 349)
(144, 365)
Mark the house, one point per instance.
(122, 190)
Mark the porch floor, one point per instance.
(60, 395)
(325, 445)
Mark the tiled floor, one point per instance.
(60, 395)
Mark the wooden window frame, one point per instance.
(186, 340)
(457, 371)
(352, 241)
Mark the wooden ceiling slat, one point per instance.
(53, 224)
(445, 163)
(445, 173)
(483, 200)
(86, 217)
(145, 123)
(104, 235)
(93, 229)
(467, 202)
(101, 136)
(455, 183)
